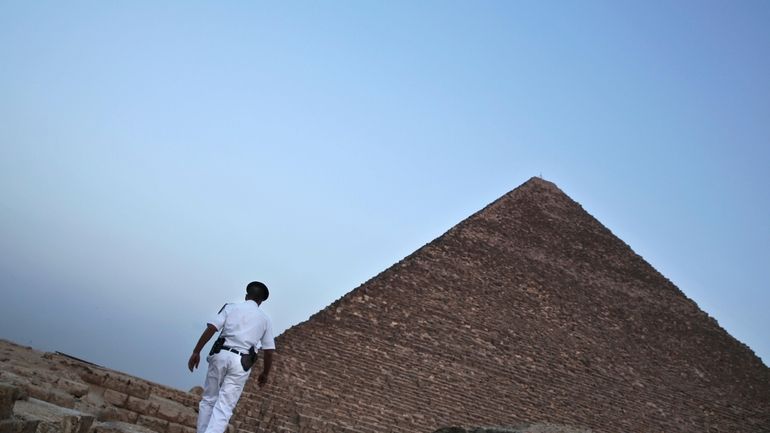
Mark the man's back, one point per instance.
(244, 325)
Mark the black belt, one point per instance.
(230, 349)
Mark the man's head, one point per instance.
(257, 292)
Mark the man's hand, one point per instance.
(262, 380)
(268, 353)
(195, 358)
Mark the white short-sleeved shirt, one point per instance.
(244, 325)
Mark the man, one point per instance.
(242, 326)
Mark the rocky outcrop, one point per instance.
(64, 394)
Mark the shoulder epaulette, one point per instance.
(223, 307)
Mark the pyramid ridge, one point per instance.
(534, 185)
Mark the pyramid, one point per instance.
(530, 310)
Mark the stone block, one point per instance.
(38, 392)
(51, 395)
(116, 382)
(168, 411)
(18, 426)
(119, 427)
(19, 382)
(126, 385)
(152, 409)
(180, 397)
(112, 413)
(95, 396)
(94, 376)
(87, 407)
(139, 389)
(174, 412)
(61, 398)
(179, 428)
(115, 398)
(8, 396)
(74, 388)
(157, 424)
(138, 405)
(52, 418)
(189, 418)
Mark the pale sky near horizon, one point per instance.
(155, 157)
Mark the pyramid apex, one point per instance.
(539, 181)
(535, 191)
(536, 179)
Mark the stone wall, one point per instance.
(90, 390)
(528, 311)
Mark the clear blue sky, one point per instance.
(156, 157)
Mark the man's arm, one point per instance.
(266, 368)
(195, 358)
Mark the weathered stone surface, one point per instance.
(126, 385)
(523, 428)
(120, 427)
(112, 413)
(115, 398)
(157, 424)
(10, 378)
(174, 412)
(183, 398)
(167, 409)
(74, 388)
(95, 396)
(39, 392)
(93, 376)
(111, 396)
(52, 418)
(18, 426)
(8, 396)
(139, 405)
(179, 428)
(61, 398)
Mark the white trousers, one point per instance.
(224, 382)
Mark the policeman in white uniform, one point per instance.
(243, 326)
